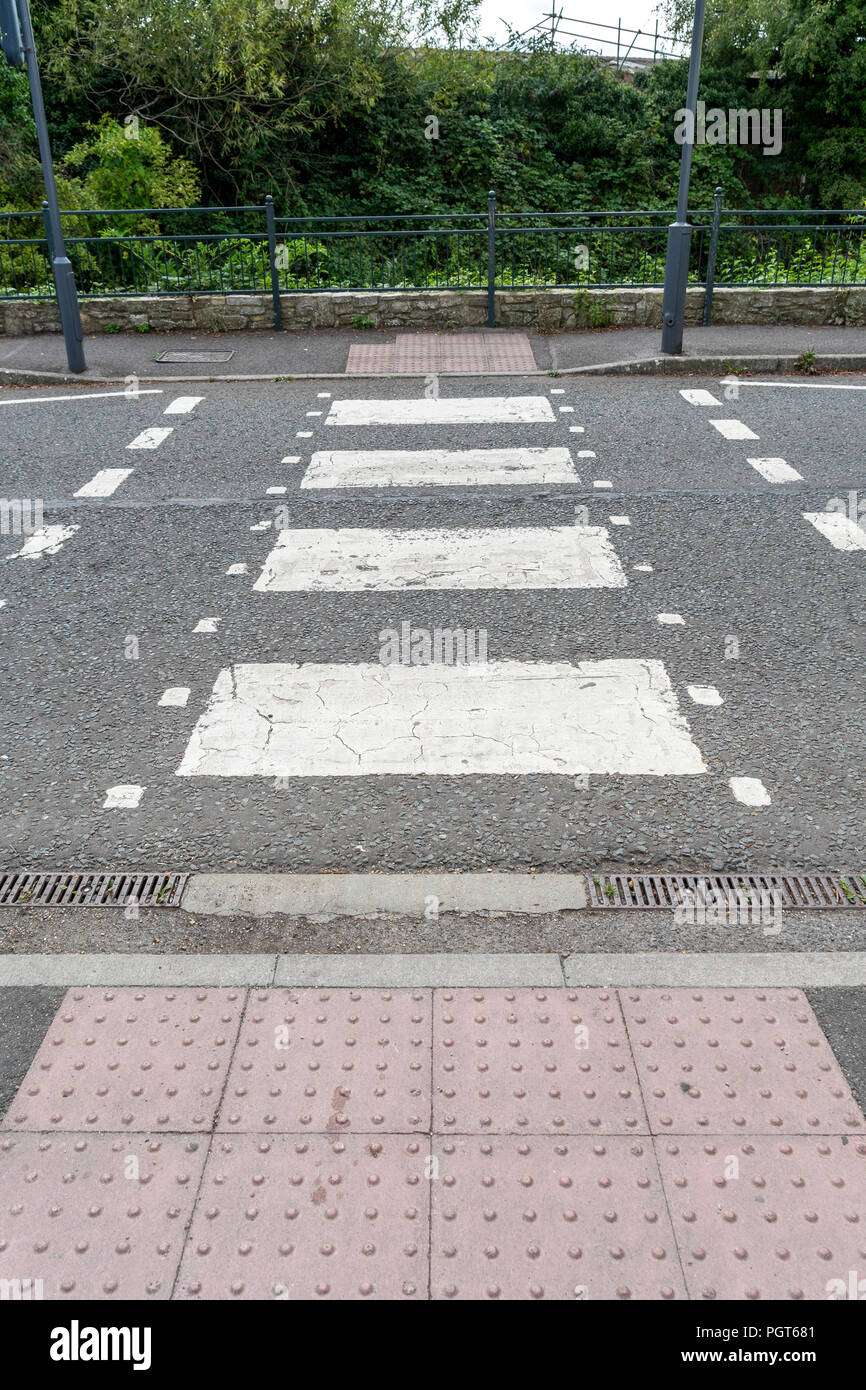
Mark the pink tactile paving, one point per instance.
(310, 1217)
(747, 1061)
(771, 1218)
(536, 1217)
(532, 1061)
(433, 352)
(96, 1216)
(331, 1060)
(131, 1059)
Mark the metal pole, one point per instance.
(713, 254)
(491, 259)
(272, 257)
(61, 266)
(679, 232)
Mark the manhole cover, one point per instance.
(194, 356)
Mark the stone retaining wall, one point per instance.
(549, 310)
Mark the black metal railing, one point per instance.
(248, 249)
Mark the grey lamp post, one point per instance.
(20, 48)
(680, 232)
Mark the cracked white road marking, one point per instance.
(543, 557)
(104, 483)
(239, 568)
(182, 405)
(122, 798)
(750, 790)
(175, 695)
(733, 429)
(152, 438)
(438, 467)
(46, 541)
(443, 410)
(840, 530)
(318, 720)
(699, 397)
(206, 625)
(705, 694)
(776, 470)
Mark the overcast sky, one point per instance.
(520, 14)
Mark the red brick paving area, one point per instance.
(434, 352)
(452, 1143)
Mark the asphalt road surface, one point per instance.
(226, 657)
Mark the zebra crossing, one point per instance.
(433, 704)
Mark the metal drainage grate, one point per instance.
(18, 888)
(194, 356)
(647, 891)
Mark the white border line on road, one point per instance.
(802, 970)
(94, 396)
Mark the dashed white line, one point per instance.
(699, 397)
(776, 470)
(620, 521)
(276, 491)
(239, 568)
(206, 625)
(749, 790)
(46, 541)
(175, 695)
(104, 483)
(840, 530)
(671, 619)
(704, 694)
(182, 405)
(152, 438)
(733, 429)
(124, 797)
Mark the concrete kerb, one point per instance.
(648, 366)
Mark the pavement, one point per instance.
(325, 352)
(391, 667)
(416, 1144)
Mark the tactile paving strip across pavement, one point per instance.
(307, 1217)
(131, 1059)
(334, 1061)
(433, 352)
(575, 1218)
(747, 1061)
(533, 1062)
(97, 1216)
(772, 1218)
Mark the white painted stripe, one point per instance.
(840, 530)
(576, 429)
(644, 569)
(182, 405)
(555, 557)
(602, 482)
(620, 521)
(733, 429)
(291, 458)
(93, 396)
(438, 467)
(206, 625)
(281, 720)
(557, 391)
(323, 395)
(124, 797)
(276, 491)
(175, 695)
(750, 790)
(671, 619)
(705, 694)
(311, 413)
(46, 541)
(700, 397)
(585, 454)
(152, 438)
(566, 409)
(442, 410)
(262, 526)
(239, 568)
(776, 470)
(104, 483)
(304, 434)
